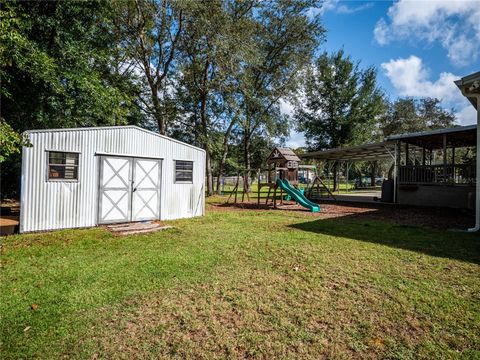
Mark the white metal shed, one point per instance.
(83, 177)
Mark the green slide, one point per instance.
(297, 195)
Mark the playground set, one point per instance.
(282, 176)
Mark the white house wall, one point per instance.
(47, 205)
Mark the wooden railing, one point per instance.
(437, 174)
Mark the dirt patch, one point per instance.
(440, 218)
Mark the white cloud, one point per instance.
(286, 107)
(296, 140)
(381, 32)
(337, 6)
(454, 24)
(344, 9)
(329, 5)
(467, 116)
(410, 77)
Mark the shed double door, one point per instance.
(129, 189)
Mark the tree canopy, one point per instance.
(58, 67)
(406, 115)
(211, 73)
(342, 103)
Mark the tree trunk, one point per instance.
(360, 177)
(221, 168)
(373, 168)
(335, 176)
(209, 173)
(246, 158)
(157, 110)
(223, 160)
(390, 172)
(206, 144)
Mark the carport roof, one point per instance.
(460, 136)
(366, 152)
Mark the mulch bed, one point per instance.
(440, 218)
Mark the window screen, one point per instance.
(62, 165)
(183, 171)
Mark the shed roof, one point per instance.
(114, 128)
(285, 153)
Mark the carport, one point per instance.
(425, 169)
(349, 155)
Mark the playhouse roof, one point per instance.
(282, 153)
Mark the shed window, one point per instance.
(62, 165)
(183, 171)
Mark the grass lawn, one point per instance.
(243, 283)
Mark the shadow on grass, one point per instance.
(446, 244)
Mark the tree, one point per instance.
(286, 39)
(10, 141)
(59, 69)
(244, 52)
(150, 32)
(342, 104)
(239, 58)
(407, 115)
(212, 42)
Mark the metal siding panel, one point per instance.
(26, 215)
(52, 205)
(38, 192)
(34, 191)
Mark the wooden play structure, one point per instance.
(317, 189)
(283, 164)
(236, 187)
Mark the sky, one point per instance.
(419, 47)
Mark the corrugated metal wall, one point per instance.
(47, 205)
